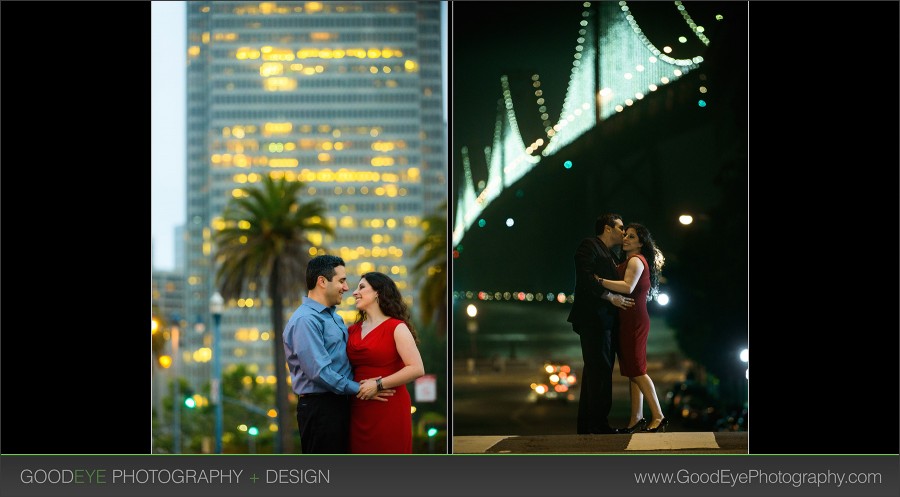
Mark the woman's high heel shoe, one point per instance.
(637, 426)
(661, 427)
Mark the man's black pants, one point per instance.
(324, 421)
(595, 401)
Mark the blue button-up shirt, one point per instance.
(315, 343)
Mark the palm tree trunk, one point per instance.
(284, 442)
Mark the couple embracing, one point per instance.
(351, 383)
(610, 315)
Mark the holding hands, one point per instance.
(616, 299)
(368, 390)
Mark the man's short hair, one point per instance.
(608, 219)
(321, 265)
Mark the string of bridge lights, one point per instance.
(687, 63)
(520, 296)
(551, 297)
(541, 103)
(579, 93)
(698, 30)
(515, 169)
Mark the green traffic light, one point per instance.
(432, 431)
(190, 403)
(253, 431)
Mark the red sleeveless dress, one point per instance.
(634, 325)
(378, 427)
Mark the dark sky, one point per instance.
(517, 39)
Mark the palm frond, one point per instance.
(430, 267)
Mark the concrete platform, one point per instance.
(638, 443)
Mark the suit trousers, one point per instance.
(595, 400)
(324, 421)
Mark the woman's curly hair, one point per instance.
(653, 255)
(389, 300)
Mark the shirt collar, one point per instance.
(608, 251)
(316, 305)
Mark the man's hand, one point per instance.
(621, 301)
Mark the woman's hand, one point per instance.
(368, 390)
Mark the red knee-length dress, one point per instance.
(634, 324)
(378, 427)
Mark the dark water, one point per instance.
(533, 330)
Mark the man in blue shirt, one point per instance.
(315, 344)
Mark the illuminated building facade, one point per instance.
(343, 96)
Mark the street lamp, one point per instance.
(472, 328)
(216, 307)
(745, 357)
(176, 399)
(687, 219)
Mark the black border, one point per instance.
(823, 218)
(76, 128)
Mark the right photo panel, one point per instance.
(599, 227)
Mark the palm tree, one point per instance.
(265, 244)
(432, 266)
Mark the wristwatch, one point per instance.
(380, 386)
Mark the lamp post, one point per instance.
(472, 328)
(252, 432)
(176, 399)
(216, 307)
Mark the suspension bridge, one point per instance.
(617, 64)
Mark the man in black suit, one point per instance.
(595, 317)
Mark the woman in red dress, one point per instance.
(382, 345)
(640, 281)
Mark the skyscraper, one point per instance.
(343, 96)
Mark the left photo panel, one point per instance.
(299, 182)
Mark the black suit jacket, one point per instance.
(589, 311)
